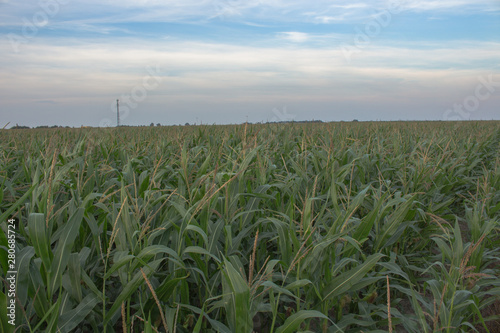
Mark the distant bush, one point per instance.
(20, 127)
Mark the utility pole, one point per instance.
(117, 113)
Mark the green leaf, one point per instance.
(292, 322)
(199, 231)
(393, 222)
(199, 322)
(238, 306)
(368, 221)
(63, 251)
(199, 250)
(131, 288)
(167, 287)
(75, 276)
(345, 281)
(298, 284)
(18, 203)
(23, 262)
(88, 281)
(69, 320)
(149, 252)
(119, 263)
(148, 327)
(40, 239)
(220, 327)
(51, 316)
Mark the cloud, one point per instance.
(97, 70)
(464, 5)
(128, 54)
(251, 11)
(295, 36)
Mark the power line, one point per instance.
(117, 113)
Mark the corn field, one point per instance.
(325, 227)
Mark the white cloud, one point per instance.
(45, 71)
(432, 5)
(320, 11)
(295, 36)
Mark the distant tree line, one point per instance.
(158, 124)
(19, 127)
(43, 126)
(294, 121)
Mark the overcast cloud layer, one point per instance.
(171, 62)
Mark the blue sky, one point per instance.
(225, 61)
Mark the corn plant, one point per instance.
(310, 227)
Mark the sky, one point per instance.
(229, 61)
